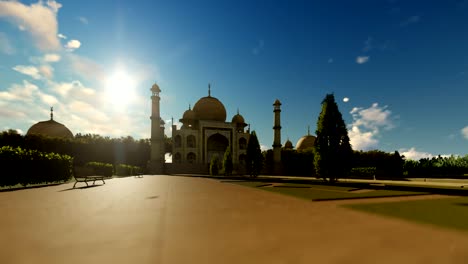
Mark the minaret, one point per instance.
(277, 137)
(156, 163)
(51, 113)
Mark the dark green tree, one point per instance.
(333, 152)
(227, 162)
(254, 157)
(214, 167)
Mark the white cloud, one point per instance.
(367, 125)
(413, 154)
(28, 70)
(346, 99)
(51, 57)
(464, 132)
(73, 45)
(83, 20)
(410, 20)
(62, 36)
(362, 59)
(19, 92)
(5, 45)
(38, 19)
(263, 147)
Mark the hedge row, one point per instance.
(363, 172)
(127, 170)
(23, 166)
(100, 168)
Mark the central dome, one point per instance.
(210, 108)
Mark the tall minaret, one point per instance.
(156, 163)
(277, 136)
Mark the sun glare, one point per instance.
(120, 88)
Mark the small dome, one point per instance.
(50, 128)
(288, 144)
(210, 108)
(238, 119)
(189, 115)
(305, 142)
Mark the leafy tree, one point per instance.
(214, 169)
(333, 152)
(254, 157)
(227, 162)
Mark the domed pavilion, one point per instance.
(50, 128)
(205, 133)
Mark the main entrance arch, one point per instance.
(216, 146)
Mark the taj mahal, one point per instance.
(206, 133)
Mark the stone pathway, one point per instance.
(168, 219)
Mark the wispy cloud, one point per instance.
(38, 19)
(410, 20)
(73, 45)
(362, 59)
(330, 60)
(83, 20)
(62, 36)
(464, 132)
(85, 67)
(5, 45)
(31, 71)
(367, 125)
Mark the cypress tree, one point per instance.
(227, 162)
(254, 157)
(333, 152)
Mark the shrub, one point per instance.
(33, 167)
(214, 166)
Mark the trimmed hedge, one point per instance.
(101, 169)
(363, 172)
(127, 170)
(24, 166)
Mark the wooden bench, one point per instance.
(87, 179)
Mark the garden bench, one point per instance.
(87, 179)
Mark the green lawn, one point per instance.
(324, 192)
(446, 212)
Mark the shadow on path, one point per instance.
(80, 188)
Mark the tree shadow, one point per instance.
(461, 204)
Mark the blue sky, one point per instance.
(402, 65)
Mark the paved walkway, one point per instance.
(167, 219)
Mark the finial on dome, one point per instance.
(209, 89)
(308, 130)
(189, 107)
(237, 110)
(51, 113)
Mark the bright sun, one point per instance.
(120, 88)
